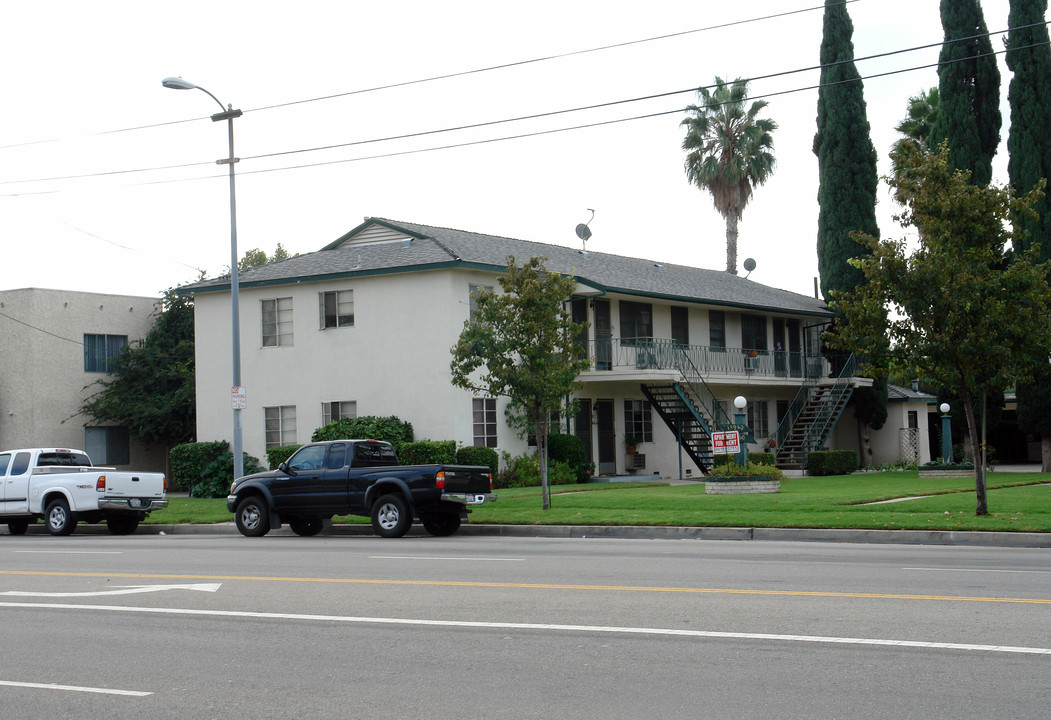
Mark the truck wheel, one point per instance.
(18, 527)
(253, 517)
(390, 516)
(122, 524)
(306, 527)
(441, 524)
(59, 519)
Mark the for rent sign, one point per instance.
(726, 442)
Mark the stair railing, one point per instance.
(830, 409)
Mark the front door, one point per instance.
(14, 495)
(582, 428)
(607, 439)
(603, 336)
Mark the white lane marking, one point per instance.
(428, 557)
(126, 590)
(70, 552)
(602, 629)
(978, 570)
(74, 688)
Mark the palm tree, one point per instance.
(915, 130)
(729, 152)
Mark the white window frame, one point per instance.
(278, 331)
(484, 422)
(279, 426)
(343, 309)
(638, 419)
(337, 410)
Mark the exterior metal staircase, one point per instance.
(811, 417)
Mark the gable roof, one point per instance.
(380, 246)
(900, 393)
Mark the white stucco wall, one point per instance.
(43, 382)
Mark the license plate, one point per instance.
(135, 502)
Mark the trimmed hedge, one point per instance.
(206, 469)
(471, 455)
(749, 470)
(427, 452)
(754, 458)
(277, 455)
(832, 462)
(367, 427)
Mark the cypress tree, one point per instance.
(847, 183)
(969, 90)
(1029, 58)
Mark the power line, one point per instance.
(461, 73)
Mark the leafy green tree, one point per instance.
(964, 317)
(917, 126)
(256, 257)
(729, 151)
(847, 184)
(151, 390)
(521, 344)
(969, 91)
(1029, 58)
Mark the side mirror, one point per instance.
(283, 467)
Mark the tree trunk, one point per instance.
(541, 453)
(731, 243)
(979, 466)
(1045, 452)
(864, 447)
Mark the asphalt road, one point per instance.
(219, 626)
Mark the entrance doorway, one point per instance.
(607, 439)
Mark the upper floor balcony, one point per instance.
(652, 358)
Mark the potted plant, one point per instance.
(631, 442)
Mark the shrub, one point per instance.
(367, 427)
(524, 471)
(754, 458)
(749, 470)
(471, 455)
(832, 462)
(570, 449)
(217, 475)
(427, 452)
(188, 461)
(277, 455)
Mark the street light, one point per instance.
(228, 114)
(739, 420)
(946, 434)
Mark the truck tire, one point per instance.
(306, 527)
(122, 524)
(390, 516)
(441, 524)
(252, 516)
(18, 527)
(58, 518)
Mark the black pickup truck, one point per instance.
(357, 477)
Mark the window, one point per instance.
(756, 419)
(473, 291)
(484, 422)
(636, 320)
(753, 332)
(107, 445)
(336, 308)
(717, 329)
(638, 420)
(333, 411)
(680, 324)
(100, 350)
(277, 322)
(280, 425)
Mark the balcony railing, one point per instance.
(663, 354)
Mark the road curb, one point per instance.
(647, 532)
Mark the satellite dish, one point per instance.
(583, 231)
(749, 265)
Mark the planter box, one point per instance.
(947, 471)
(741, 485)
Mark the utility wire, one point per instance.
(538, 116)
(461, 73)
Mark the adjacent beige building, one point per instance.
(57, 344)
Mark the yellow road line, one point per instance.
(537, 586)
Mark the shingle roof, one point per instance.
(900, 393)
(434, 247)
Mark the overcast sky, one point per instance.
(84, 98)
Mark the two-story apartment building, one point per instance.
(365, 325)
(57, 344)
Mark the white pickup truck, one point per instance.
(62, 487)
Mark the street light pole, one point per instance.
(237, 394)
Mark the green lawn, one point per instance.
(1017, 502)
